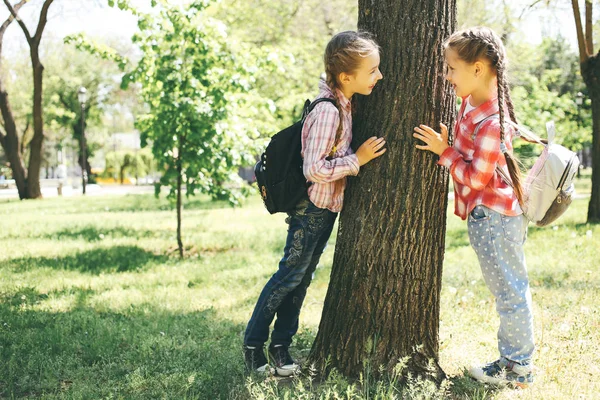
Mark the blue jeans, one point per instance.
(498, 241)
(283, 295)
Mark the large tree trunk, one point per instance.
(590, 71)
(384, 294)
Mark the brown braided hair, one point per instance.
(344, 54)
(481, 43)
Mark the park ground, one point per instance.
(95, 304)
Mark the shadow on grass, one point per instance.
(562, 280)
(96, 261)
(137, 203)
(142, 352)
(93, 234)
(580, 227)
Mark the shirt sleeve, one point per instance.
(477, 173)
(322, 124)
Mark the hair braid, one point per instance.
(482, 43)
(500, 84)
(511, 162)
(509, 103)
(338, 133)
(333, 85)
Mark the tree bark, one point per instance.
(35, 146)
(590, 71)
(11, 146)
(383, 298)
(581, 41)
(589, 27)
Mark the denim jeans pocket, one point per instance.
(312, 209)
(478, 225)
(479, 214)
(300, 208)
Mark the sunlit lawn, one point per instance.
(94, 302)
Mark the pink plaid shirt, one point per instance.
(318, 137)
(472, 163)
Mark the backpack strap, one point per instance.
(320, 100)
(520, 131)
(489, 117)
(308, 106)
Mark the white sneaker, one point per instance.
(504, 372)
(284, 363)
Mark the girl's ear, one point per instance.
(343, 78)
(478, 68)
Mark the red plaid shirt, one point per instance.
(318, 137)
(472, 163)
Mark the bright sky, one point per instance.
(538, 23)
(96, 19)
(93, 17)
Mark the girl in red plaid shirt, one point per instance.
(476, 62)
(351, 66)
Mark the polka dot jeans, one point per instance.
(498, 241)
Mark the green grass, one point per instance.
(94, 303)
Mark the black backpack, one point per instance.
(279, 175)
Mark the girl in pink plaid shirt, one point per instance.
(476, 63)
(351, 66)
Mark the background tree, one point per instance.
(28, 184)
(119, 163)
(290, 34)
(590, 72)
(187, 75)
(10, 138)
(501, 15)
(383, 299)
(68, 70)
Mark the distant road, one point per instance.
(91, 190)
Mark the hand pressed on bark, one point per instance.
(370, 149)
(435, 142)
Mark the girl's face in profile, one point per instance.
(364, 79)
(459, 73)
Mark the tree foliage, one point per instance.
(188, 74)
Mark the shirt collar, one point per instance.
(345, 103)
(483, 111)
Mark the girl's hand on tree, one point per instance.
(435, 142)
(370, 149)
